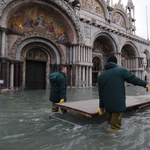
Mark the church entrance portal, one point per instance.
(36, 69)
(35, 75)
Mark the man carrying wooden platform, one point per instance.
(112, 91)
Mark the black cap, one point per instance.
(112, 59)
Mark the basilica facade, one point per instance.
(36, 36)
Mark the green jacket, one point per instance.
(58, 87)
(112, 89)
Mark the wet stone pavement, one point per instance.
(25, 124)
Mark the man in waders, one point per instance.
(58, 88)
(112, 91)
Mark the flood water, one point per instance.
(25, 124)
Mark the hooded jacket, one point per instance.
(112, 89)
(58, 86)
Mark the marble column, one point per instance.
(24, 74)
(136, 66)
(16, 75)
(79, 53)
(90, 77)
(20, 74)
(79, 76)
(83, 76)
(70, 55)
(84, 54)
(74, 54)
(3, 43)
(76, 51)
(88, 54)
(11, 75)
(87, 76)
(73, 75)
(91, 55)
(47, 74)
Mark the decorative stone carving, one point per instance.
(34, 34)
(3, 4)
(120, 6)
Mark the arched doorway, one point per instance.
(103, 48)
(129, 59)
(95, 70)
(36, 69)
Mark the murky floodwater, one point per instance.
(25, 124)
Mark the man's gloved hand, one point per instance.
(62, 101)
(100, 111)
(147, 88)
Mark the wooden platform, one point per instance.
(89, 107)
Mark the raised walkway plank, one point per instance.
(89, 107)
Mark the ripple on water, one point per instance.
(12, 136)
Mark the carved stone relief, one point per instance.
(34, 34)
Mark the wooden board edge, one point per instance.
(138, 105)
(78, 111)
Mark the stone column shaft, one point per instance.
(74, 54)
(3, 43)
(90, 77)
(88, 55)
(79, 53)
(87, 76)
(83, 75)
(12, 76)
(71, 54)
(79, 76)
(16, 75)
(47, 74)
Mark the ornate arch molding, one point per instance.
(133, 45)
(10, 4)
(109, 36)
(41, 46)
(31, 37)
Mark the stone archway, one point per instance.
(55, 55)
(103, 47)
(127, 56)
(131, 60)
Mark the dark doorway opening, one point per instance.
(35, 75)
(94, 78)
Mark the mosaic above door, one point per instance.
(40, 19)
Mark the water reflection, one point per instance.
(25, 124)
